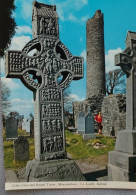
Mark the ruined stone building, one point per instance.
(112, 107)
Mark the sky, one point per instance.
(119, 17)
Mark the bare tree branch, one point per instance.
(115, 82)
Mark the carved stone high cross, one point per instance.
(127, 62)
(40, 73)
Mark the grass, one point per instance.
(9, 152)
(75, 146)
(80, 149)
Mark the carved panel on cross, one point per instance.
(46, 66)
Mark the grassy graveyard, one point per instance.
(75, 146)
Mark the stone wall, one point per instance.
(114, 113)
(113, 109)
(95, 55)
(95, 102)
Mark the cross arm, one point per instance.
(13, 67)
(124, 60)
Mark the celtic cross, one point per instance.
(47, 73)
(127, 62)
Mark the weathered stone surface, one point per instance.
(94, 103)
(122, 161)
(89, 136)
(114, 113)
(116, 173)
(32, 128)
(57, 170)
(95, 55)
(21, 149)
(89, 124)
(47, 73)
(40, 73)
(112, 108)
(81, 123)
(126, 142)
(11, 128)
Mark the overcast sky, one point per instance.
(119, 17)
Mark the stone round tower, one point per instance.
(95, 55)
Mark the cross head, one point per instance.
(46, 66)
(127, 62)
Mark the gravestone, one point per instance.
(41, 73)
(81, 123)
(21, 149)
(28, 126)
(89, 126)
(32, 128)
(122, 161)
(24, 124)
(11, 128)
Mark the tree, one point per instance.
(7, 24)
(5, 94)
(115, 82)
(67, 100)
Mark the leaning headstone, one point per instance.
(21, 149)
(122, 161)
(11, 128)
(40, 73)
(32, 128)
(89, 126)
(81, 123)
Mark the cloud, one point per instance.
(18, 42)
(2, 66)
(10, 83)
(23, 30)
(83, 54)
(63, 8)
(85, 18)
(72, 18)
(23, 106)
(74, 97)
(26, 11)
(109, 59)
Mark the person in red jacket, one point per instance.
(98, 119)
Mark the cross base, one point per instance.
(122, 161)
(55, 170)
(89, 136)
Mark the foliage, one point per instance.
(7, 24)
(84, 149)
(115, 82)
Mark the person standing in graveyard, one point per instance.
(98, 119)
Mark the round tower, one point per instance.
(95, 55)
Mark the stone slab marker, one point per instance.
(122, 161)
(21, 149)
(40, 73)
(89, 126)
(11, 128)
(81, 123)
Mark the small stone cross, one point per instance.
(127, 62)
(47, 73)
